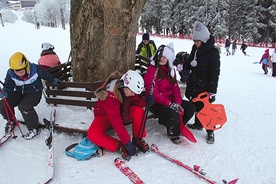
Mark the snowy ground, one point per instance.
(244, 148)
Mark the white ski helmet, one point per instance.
(134, 81)
(46, 46)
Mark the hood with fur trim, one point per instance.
(109, 84)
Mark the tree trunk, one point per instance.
(62, 18)
(103, 37)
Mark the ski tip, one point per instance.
(116, 159)
(231, 182)
(154, 147)
(48, 181)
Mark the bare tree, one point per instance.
(103, 37)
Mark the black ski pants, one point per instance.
(170, 118)
(274, 69)
(264, 67)
(26, 104)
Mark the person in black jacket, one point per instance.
(243, 47)
(227, 46)
(234, 47)
(23, 88)
(204, 63)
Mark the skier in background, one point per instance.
(273, 60)
(48, 57)
(243, 47)
(1, 19)
(264, 61)
(227, 46)
(234, 47)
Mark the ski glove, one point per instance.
(3, 94)
(56, 81)
(176, 107)
(212, 97)
(131, 149)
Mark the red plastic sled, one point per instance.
(185, 131)
(211, 116)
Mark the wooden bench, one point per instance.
(62, 71)
(141, 64)
(71, 93)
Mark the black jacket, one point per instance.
(205, 75)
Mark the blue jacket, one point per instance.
(31, 84)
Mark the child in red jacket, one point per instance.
(118, 102)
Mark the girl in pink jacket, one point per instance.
(264, 61)
(163, 93)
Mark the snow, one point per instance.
(244, 148)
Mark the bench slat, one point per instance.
(87, 85)
(86, 94)
(82, 103)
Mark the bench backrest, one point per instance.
(62, 71)
(72, 93)
(69, 93)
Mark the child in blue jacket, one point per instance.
(23, 88)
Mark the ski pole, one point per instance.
(8, 109)
(143, 123)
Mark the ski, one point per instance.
(5, 138)
(9, 112)
(121, 165)
(196, 170)
(50, 144)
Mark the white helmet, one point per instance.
(134, 81)
(46, 46)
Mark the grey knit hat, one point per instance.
(200, 32)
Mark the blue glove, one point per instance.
(56, 81)
(3, 94)
(150, 99)
(176, 107)
(131, 149)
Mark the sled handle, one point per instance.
(202, 97)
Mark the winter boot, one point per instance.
(194, 126)
(176, 140)
(31, 133)
(9, 127)
(141, 145)
(121, 149)
(210, 137)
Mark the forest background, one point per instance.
(249, 21)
